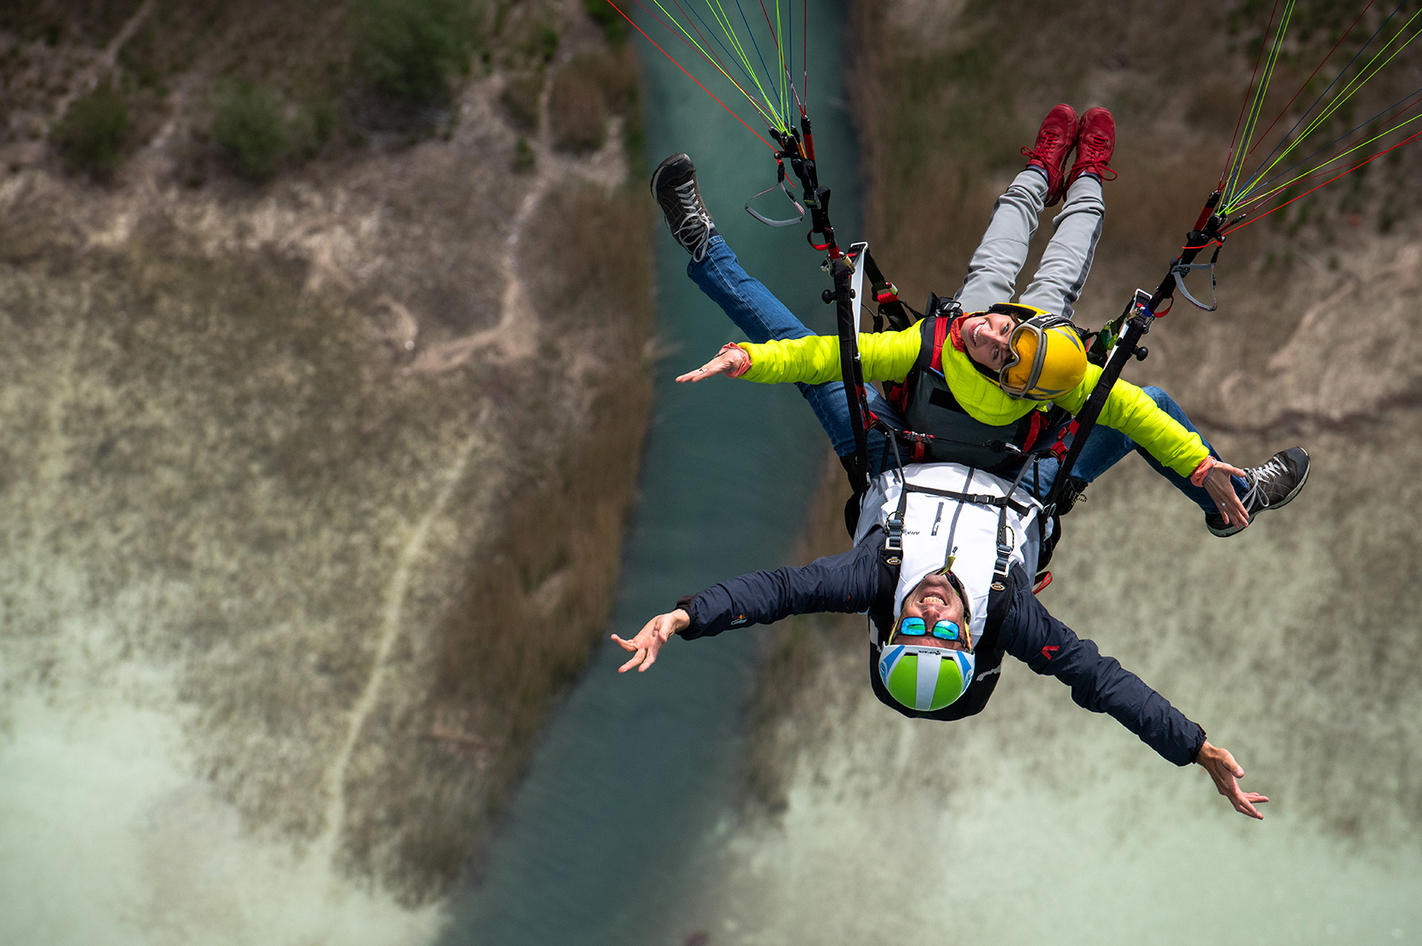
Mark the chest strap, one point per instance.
(894, 526)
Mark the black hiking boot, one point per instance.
(1272, 485)
(674, 185)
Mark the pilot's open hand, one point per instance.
(1227, 773)
(730, 360)
(1221, 490)
(650, 639)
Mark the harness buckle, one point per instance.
(894, 535)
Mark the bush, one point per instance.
(250, 131)
(92, 135)
(614, 27)
(585, 93)
(406, 48)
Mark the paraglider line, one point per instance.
(1247, 190)
(1285, 109)
(1229, 159)
(690, 76)
(1324, 184)
(1348, 92)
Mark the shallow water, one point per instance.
(636, 769)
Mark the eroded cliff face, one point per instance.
(1295, 644)
(312, 487)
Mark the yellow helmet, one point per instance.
(1046, 359)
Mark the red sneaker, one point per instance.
(1095, 143)
(1055, 139)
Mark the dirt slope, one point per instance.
(299, 466)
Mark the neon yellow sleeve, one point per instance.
(1131, 411)
(814, 359)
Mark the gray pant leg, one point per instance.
(1067, 258)
(992, 274)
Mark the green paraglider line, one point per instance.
(1252, 123)
(1284, 111)
(1343, 96)
(1324, 184)
(1250, 201)
(692, 77)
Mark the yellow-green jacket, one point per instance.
(891, 356)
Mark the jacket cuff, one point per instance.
(1195, 752)
(1202, 472)
(745, 364)
(684, 603)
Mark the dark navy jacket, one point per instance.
(858, 581)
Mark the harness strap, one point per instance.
(977, 499)
(850, 368)
(886, 294)
(894, 526)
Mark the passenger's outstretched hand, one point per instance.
(1227, 773)
(651, 637)
(729, 360)
(1221, 490)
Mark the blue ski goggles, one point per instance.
(916, 627)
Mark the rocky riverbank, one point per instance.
(315, 469)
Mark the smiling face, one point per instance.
(985, 337)
(934, 599)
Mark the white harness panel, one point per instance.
(936, 527)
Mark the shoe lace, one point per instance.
(694, 219)
(1045, 146)
(1260, 478)
(1089, 160)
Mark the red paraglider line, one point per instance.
(690, 76)
(1260, 139)
(1229, 159)
(1324, 184)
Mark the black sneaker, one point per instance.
(1272, 485)
(674, 185)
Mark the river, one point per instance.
(635, 771)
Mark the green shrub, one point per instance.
(92, 135)
(250, 131)
(614, 27)
(577, 113)
(407, 48)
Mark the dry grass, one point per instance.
(587, 92)
(504, 614)
(537, 600)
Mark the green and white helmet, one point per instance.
(925, 678)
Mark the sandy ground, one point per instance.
(253, 442)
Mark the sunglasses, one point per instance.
(915, 627)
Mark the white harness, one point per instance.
(937, 512)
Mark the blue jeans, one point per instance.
(761, 316)
(1105, 447)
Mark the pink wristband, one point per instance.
(1202, 472)
(745, 364)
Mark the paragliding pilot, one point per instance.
(945, 548)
